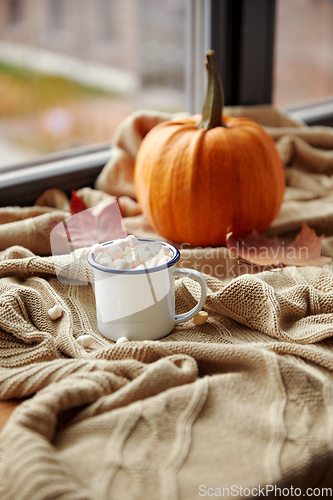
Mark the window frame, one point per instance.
(14, 8)
(23, 183)
(242, 35)
(318, 113)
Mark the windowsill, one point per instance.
(21, 184)
(317, 113)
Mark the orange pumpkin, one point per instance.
(199, 178)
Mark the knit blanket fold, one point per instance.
(243, 401)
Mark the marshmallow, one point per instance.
(85, 340)
(166, 251)
(105, 261)
(114, 251)
(130, 253)
(122, 243)
(132, 256)
(97, 248)
(122, 340)
(151, 262)
(161, 256)
(123, 264)
(142, 247)
(132, 241)
(162, 261)
(128, 250)
(145, 255)
(155, 249)
(200, 318)
(55, 312)
(100, 256)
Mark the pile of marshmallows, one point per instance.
(129, 253)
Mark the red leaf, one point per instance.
(77, 205)
(261, 251)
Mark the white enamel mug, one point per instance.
(140, 304)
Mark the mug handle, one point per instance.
(195, 275)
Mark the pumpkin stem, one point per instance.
(214, 103)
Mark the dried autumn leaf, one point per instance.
(53, 198)
(77, 205)
(303, 251)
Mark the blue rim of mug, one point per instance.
(175, 258)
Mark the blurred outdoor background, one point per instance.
(71, 70)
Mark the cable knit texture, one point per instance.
(244, 400)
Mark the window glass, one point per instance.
(56, 14)
(303, 52)
(107, 19)
(71, 70)
(14, 10)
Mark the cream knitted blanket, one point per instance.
(240, 406)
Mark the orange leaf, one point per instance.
(261, 251)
